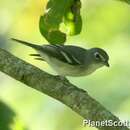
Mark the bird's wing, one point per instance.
(72, 55)
(66, 53)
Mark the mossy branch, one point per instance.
(75, 98)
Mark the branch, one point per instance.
(75, 98)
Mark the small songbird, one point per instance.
(68, 60)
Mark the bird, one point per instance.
(70, 60)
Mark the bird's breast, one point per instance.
(71, 70)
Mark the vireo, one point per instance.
(68, 60)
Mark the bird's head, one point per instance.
(99, 57)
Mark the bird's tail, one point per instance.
(37, 47)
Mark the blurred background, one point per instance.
(106, 24)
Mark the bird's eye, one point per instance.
(97, 55)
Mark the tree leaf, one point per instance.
(59, 12)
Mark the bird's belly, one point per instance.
(65, 69)
(69, 70)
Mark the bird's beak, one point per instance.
(107, 64)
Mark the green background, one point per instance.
(106, 24)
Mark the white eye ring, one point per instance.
(97, 55)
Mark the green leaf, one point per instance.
(8, 119)
(6, 116)
(60, 12)
(52, 35)
(72, 18)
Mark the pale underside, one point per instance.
(65, 69)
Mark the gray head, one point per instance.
(99, 56)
